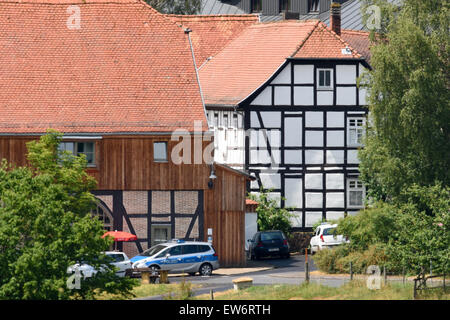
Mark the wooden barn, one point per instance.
(118, 79)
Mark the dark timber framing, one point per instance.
(119, 213)
(300, 170)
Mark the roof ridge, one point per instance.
(72, 2)
(356, 31)
(338, 37)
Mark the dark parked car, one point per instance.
(269, 243)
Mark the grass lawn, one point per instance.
(356, 290)
(174, 290)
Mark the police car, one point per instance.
(178, 256)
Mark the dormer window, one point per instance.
(284, 5)
(313, 6)
(256, 5)
(324, 77)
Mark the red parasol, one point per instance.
(120, 236)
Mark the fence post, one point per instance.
(385, 275)
(404, 275)
(211, 292)
(415, 290)
(351, 271)
(306, 266)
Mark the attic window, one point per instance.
(160, 151)
(256, 5)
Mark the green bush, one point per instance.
(338, 260)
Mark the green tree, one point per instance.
(46, 226)
(408, 140)
(176, 6)
(270, 215)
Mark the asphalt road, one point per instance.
(285, 271)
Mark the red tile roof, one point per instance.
(126, 69)
(358, 40)
(255, 55)
(211, 33)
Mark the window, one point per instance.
(104, 215)
(355, 131)
(175, 251)
(225, 121)
(190, 249)
(324, 79)
(160, 151)
(216, 120)
(78, 148)
(256, 5)
(356, 193)
(284, 5)
(313, 5)
(160, 234)
(235, 121)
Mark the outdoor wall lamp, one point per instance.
(212, 177)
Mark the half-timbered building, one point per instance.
(295, 85)
(118, 79)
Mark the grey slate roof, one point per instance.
(350, 11)
(218, 7)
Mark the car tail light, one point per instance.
(285, 242)
(321, 238)
(215, 254)
(260, 244)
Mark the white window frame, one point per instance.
(325, 88)
(75, 150)
(216, 124)
(359, 131)
(355, 185)
(161, 160)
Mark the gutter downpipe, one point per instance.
(188, 32)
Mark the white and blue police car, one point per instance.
(179, 256)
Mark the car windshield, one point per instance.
(267, 236)
(329, 231)
(153, 250)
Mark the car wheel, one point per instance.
(205, 269)
(154, 268)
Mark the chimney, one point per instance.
(335, 17)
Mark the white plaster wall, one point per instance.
(312, 217)
(314, 138)
(345, 74)
(352, 156)
(254, 184)
(304, 74)
(314, 119)
(293, 193)
(335, 200)
(303, 96)
(362, 96)
(282, 95)
(292, 156)
(274, 138)
(253, 156)
(313, 200)
(251, 226)
(314, 157)
(335, 156)
(346, 95)
(296, 219)
(335, 138)
(275, 196)
(254, 121)
(335, 119)
(334, 215)
(293, 132)
(324, 98)
(313, 181)
(270, 180)
(284, 76)
(334, 180)
(271, 119)
(264, 98)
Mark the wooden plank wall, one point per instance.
(126, 163)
